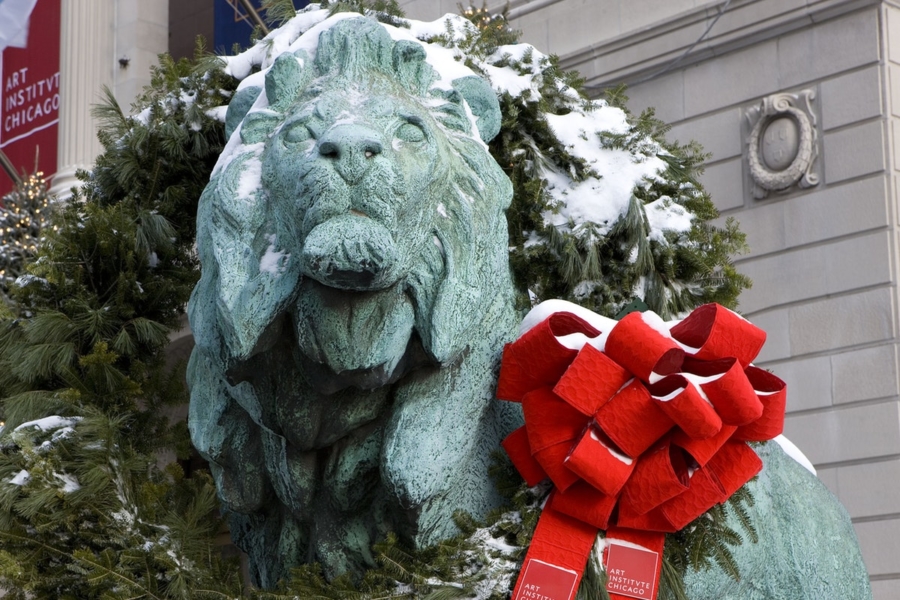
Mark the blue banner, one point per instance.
(233, 25)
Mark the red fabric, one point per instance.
(549, 420)
(661, 474)
(653, 520)
(593, 460)
(591, 380)
(585, 503)
(716, 331)
(694, 415)
(702, 450)
(537, 359)
(772, 394)
(653, 542)
(641, 349)
(734, 465)
(553, 460)
(632, 420)
(731, 394)
(516, 446)
(704, 492)
(561, 541)
(686, 453)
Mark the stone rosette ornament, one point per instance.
(782, 145)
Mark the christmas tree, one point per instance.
(24, 212)
(86, 511)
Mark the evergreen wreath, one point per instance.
(85, 511)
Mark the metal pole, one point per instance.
(9, 168)
(254, 15)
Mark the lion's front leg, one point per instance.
(439, 440)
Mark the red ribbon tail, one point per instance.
(633, 561)
(556, 558)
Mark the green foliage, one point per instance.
(386, 11)
(89, 517)
(24, 212)
(104, 290)
(605, 270)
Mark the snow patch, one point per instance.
(794, 452)
(21, 478)
(49, 423)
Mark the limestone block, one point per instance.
(886, 589)
(736, 77)
(894, 81)
(828, 48)
(665, 94)
(851, 98)
(740, 16)
(425, 10)
(814, 216)
(865, 374)
(854, 152)
(869, 490)
(725, 184)
(807, 549)
(836, 211)
(808, 382)
(719, 133)
(880, 545)
(845, 434)
(571, 26)
(842, 322)
(637, 14)
(776, 324)
(893, 33)
(764, 225)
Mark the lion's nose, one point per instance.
(351, 147)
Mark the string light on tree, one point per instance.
(24, 214)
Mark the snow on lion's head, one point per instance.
(353, 234)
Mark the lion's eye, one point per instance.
(297, 132)
(410, 132)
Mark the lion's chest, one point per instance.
(352, 338)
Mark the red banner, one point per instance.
(29, 97)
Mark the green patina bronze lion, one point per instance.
(355, 296)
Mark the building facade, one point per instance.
(823, 242)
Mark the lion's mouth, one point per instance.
(351, 253)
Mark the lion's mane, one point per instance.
(354, 297)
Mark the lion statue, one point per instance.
(354, 298)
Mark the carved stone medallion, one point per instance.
(781, 147)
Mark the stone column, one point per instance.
(87, 63)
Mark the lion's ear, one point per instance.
(482, 100)
(411, 68)
(286, 77)
(239, 107)
(257, 126)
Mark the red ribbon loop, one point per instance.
(537, 358)
(625, 453)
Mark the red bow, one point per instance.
(641, 438)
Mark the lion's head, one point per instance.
(355, 292)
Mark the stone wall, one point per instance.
(823, 258)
